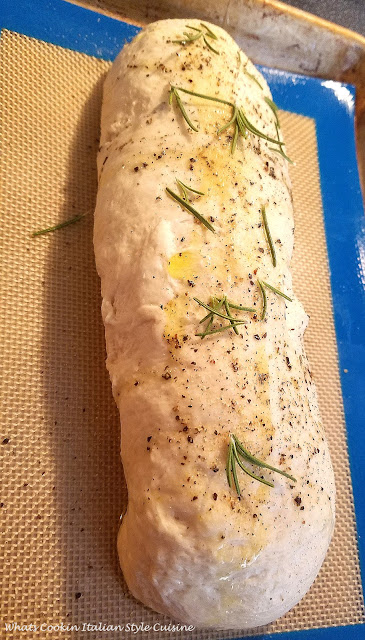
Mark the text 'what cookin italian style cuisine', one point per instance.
(231, 491)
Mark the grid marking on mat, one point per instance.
(63, 489)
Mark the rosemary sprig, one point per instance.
(274, 109)
(210, 32)
(262, 286)
(264, 299)
(268, 235)
(236, 453)
(279, 293)
(238, 119)
(174, 94)
(61, 225)
(279, 150)
(250, 75)
(228, 312)
(191, 37)
(241, 308)
(215, 310)
(244, 452)
(185, 203)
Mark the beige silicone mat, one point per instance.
(62, 485)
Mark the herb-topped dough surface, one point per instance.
(189, 546)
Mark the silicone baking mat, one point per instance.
(62, 486)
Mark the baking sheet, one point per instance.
(62, 489)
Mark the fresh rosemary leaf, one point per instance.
(250, 75)
(241, 308)
(262, 286)
(232, 468)
(236, 453)
(202, 95)
(279, 293)
(220, 329)
(215, 311)
(186, 204)
(274, 109)
(173, 92)
(281, 144)
(61, 225)
(238, 118)
(250, 473)
(216, 304)
(190, 37)
(226, 306)
(185, 186)
(281, 152)
(229, 464)
(264, 299)
(256, 131)
(210, 46)
(268, 235)
(243, 451)
(209, 31)
(241, 124)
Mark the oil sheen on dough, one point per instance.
(188, 546)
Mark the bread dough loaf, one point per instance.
(188, 546)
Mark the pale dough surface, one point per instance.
(188, 546)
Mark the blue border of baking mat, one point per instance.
(332, 106)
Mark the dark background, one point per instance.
(348, 13)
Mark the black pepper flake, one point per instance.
(5, 441)
(215, 496)
(186, 428)
(78, 595)
(136, 169)
(257, 337)
(191, 283)
(166, 375)
(190, 439)
(215, 469)
(195, 497)
(302, 508)
(298, 500)
(288, 362)
(149, 438)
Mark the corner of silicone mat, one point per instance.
(303, 92)
(67, 25)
